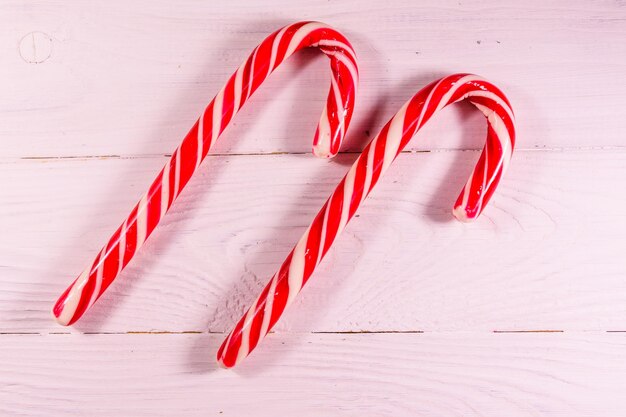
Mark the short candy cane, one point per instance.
(129, 237)
(357, 184)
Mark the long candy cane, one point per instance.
(364, 174)
(129, 237)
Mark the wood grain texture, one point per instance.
(130, 78)
(94, 94)
(544, 256)
(314, 375)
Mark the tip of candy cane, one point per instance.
(58, 317)
(59, 309)
(322, 153)
(221, 364)
(322, 142)
(462, 214)
(322, 150)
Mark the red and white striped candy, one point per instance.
(129, 237)
(362, 177)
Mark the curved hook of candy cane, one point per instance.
(356, 185)
(265, 58)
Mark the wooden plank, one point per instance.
(131, 78)
(311, 375)
(548, 253)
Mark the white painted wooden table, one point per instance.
(522, 313)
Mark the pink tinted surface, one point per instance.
(520, 313)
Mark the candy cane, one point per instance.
(280, 45)
(357, 184)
